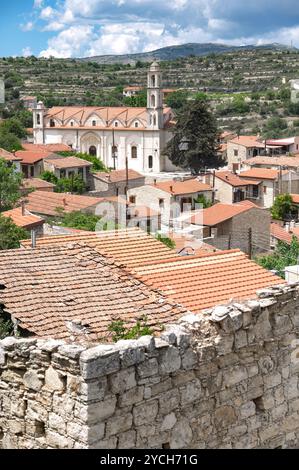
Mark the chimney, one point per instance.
(33, 239)
(64, 201)
(171, 188)
(23, 208)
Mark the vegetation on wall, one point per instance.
(119, 331)
(74, 185)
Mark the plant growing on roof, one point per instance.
(119, 331)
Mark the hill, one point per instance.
(183, 50)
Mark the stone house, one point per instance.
(68, 167)
(171, 197)
(11, 159)
(114, 183)
(31, 161)
(227, 226)
(282, 161)
(36, 184)
(230, 188)
(272, 182)
(241, 148)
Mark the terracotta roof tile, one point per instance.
(280, 233)
(247, 141)
(220, 212)
(295, 198)
(204, 281)
(182, 187)
(29, 157)
(129, 247)
(68, 162)
(8, 156)
(117, 176)
(292, 162)
(50, 290)
(261, 173)
(47, 147)
(233, 179)
(46, 203)
(37, 183)
(26, 221)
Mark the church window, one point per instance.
(150, 161)
(153, 81)
(155, 120)
(134, 152)
(132, 199)
(116, 124)
(114, 151)
(94, 123)
(52, 123)
(136, 124)
(93, 151)
(153, 101)
(38, 119)
(72, 123)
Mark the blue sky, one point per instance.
(81, 28)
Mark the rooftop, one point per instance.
(247, 141)
(42, 202)
(261, 173)
(233, 179)
(220, 212)
(116, 176)
(280, 233)
(8, 156)
(182, 187)
(274, 161)
(130, 247)
(75, 292)
(68, 162)
(26, 221)
(29, 157)
(37, 183)
(47, 147)
(207, 280)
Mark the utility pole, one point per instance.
(113, 150)
(250, 243)
(229, 241)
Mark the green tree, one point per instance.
(201, 199)
(10, 234)
(49, 176)
(10, 182)
(166, 240)
(284, 255)
(119, 331)
(194, 142)
(15, 127)
(80, 220)
(283, 206)
(97, 165)
(8, 141)
(177, 100)
(74, 185)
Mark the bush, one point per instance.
(119, 331)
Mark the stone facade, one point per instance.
(227, 378)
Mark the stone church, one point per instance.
(113, 134)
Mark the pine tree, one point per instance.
(194, 142)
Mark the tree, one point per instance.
(97, 165)
(194, 142)
(49, 176)
(80, 220)
(283, 207)
(201, 199)
(75, 185)
(10, 234)
(166, 240)
(177, 100)
(15, 127)
(284, 255)
(10, 182)
(9, 141)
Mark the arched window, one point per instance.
(72, 123)
(136, 124)
(38, 119)
(94, 123)
(52, 123)
(93, 151)
(114, 151)
(155, 120)
(153, 101)
(134, 152)
(150, 161)
(153, 80)
(116, 124)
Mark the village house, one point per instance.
(25, 219)
(230, 188)
(113, 134)
(282, 161)
(11, 159)
(290, 145)
(241, 148)
(273, 182)
(29, 102)
(161, 196)
(130, 91)
(114, 183)
(243, 225)
(36, 184)
(68, 167)
(32, 162)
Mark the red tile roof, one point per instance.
(116, 176)
(46, 203)
(292, 162)
(247, 141)
(207, 280)
(26, 221)
(129, 247)
(219, 213)
(29, 157)
(295, 198)
(233, 179)
(75, 293)
(280, 233)
(68, 162)
(37, 183)
(47, 147)
(8, 156)
(261, 173)
(182, 187)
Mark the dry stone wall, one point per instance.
(227, 378)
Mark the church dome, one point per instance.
(155, 66)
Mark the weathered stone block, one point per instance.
(99, 361)
(234, 375)
(32, 380)
(181, 435)
(131, 352)
(119, 424)
(168, 422)
(127, 440)
(122, 380)
(247, 410)
(97, 412)
(148, 368)
(145, 413)
(132, 396)
(225, 416)
(54, 380)
(169, 360)
(169, 401)
(190, 392)
(94, 390)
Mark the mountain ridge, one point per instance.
(182, 50)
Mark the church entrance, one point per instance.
(93, 151)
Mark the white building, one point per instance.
(113, 134)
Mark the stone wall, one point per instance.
(227, 378)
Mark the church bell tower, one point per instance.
(154, 97)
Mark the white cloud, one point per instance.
(38, 3)
(27, 52)
(27, 26)
(47, 13)
(69, 42)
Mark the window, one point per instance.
(62, 174)
(116, 124)
(38, 120)
(155, 120)
(32, 171)
(150, 161)
(71, 174)
(94, 123)
(255, 191)
(161, 203)
(52, 123)
(153, 81)
(80, 172)
(236, 153)
(265, 189)
(93, 151)
(153, 101)
(114, 151)
(134, 152)
(132, 199)
(136, 125)
(72, 123)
